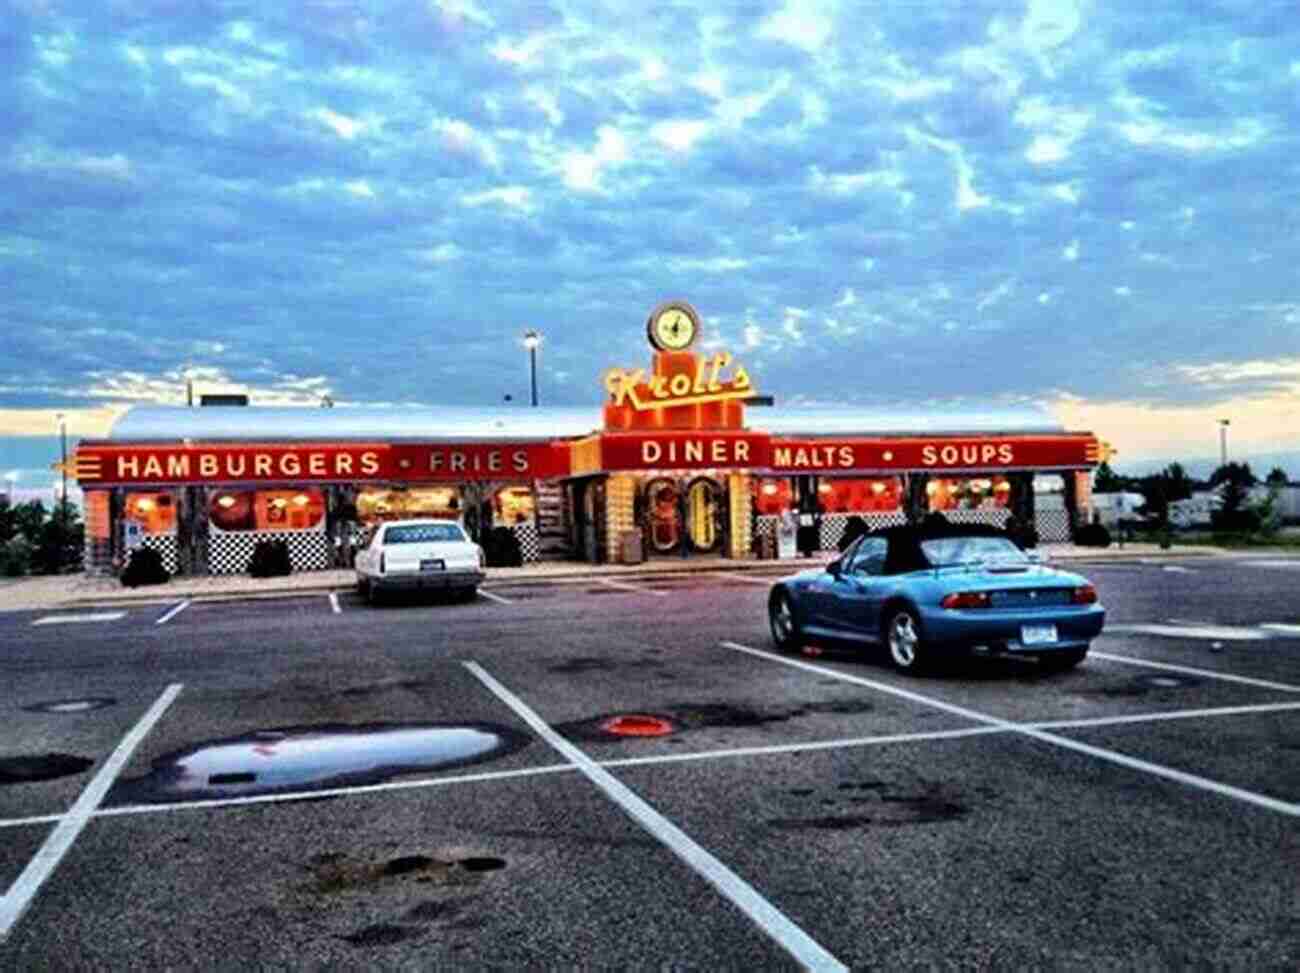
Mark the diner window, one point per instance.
(270, 510)
(846, 494)
(968, 493)
(156, 511)
(773, 495)
(376, 504)
(513, 505)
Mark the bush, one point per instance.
(501, 548)
(1024, 536)
(15, 557)
(144, 567)
(1092, 535)
(270, 560)
(1241, 519)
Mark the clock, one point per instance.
(673, 326)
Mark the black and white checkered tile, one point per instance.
(230, 552)
(833, 526)
(530, 542)
(1053, 525)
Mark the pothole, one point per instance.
(304, 758)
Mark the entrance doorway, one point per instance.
(663, 514)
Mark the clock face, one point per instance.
(673, 327)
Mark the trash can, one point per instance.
(630, 547)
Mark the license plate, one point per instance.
(1037, 634)
(432, 565)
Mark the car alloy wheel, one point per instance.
(904, 639)
(785, 629)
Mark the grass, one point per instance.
(1234, 539)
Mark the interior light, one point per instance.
(1003, 486)
(932, 488)
(300, 500)
(877, 487)
(769, 489)
(226, 501)
(144, 504)
(279, 502)
(824, 488)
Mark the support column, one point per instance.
(1071, 503)
(917, 502)
(620, 514)
(740, 503)
(98, 553)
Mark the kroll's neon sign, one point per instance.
(709, 382)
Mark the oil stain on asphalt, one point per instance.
(877, 804)
(711, 715)
(47, 766)
(306, 758)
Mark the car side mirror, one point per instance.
(835, 568)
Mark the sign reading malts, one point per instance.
(711, 379)
(947, 453)
(339, 463)
(683, 451)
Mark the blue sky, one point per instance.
(1088, 204)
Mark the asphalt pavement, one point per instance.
(815, 810)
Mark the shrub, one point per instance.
(1241, 519)
(1024, 536)
(15, 557)
(144, 567)
(270, 560)
(501, 547)
(1092, 535)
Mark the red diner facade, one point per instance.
(684, 459)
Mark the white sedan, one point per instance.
(410, 554)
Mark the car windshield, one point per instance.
(971, 550)
(423, 533)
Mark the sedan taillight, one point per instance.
(1087, 595)
(967, 599)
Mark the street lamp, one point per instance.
(531, 340)
(63, 468)
(1223, 442)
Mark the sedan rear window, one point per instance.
(423, 533)
(970, 550)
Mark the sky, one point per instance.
(1089, 204)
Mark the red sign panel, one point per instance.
(410, 462)
(939, 453)
(684, 451)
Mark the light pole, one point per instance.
(10, 479)
(1223, 442)
(531, 340)
(63, 469)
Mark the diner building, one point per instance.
(684, 458)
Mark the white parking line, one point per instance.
(1223, 633)
(624, 586)
(1110, 756)
(1192, 671)
(495, 597)
(802, 947)
(60, 840)
(78, 619)
(173, 612)
(1177, 569)
(766, 582)
(1292, 565)
(1281, 628)
(335, 607)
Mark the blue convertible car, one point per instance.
(928, 591)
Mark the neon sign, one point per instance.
(706, 384)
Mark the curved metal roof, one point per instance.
(522, 424)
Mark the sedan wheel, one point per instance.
(785, 627)
(903, 634)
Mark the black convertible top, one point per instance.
(904, 551)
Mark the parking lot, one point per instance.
(816, 810)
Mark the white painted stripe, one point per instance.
(762, 913)
(1178, 714)
(766, 582)
(173, 612)
(1281, 628)
(29, 822)
(335, 607)
(1292, 565)
(292, 796)
(77, 619)
(495, 597)
(1191, 670)
(1178, 569)
(1220, 633)
(624, 586)
(61, 839)
(1110, 756)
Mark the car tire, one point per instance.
(372, 594)
(363, 589)
(1063, 661)
(784, 622)
(468, 594)
(902, 637)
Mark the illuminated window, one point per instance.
(968, 493)
(513, 505)
(156, 511)
(375, 504)
(854, 494)
(772, 495)
(274, 510)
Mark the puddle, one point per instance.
(70, 705)
(48, 766)
(305, 758)
(932, 804)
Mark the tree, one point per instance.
(1106, 481)
(1161, 489)
(1277, 477)
(1233, 481)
